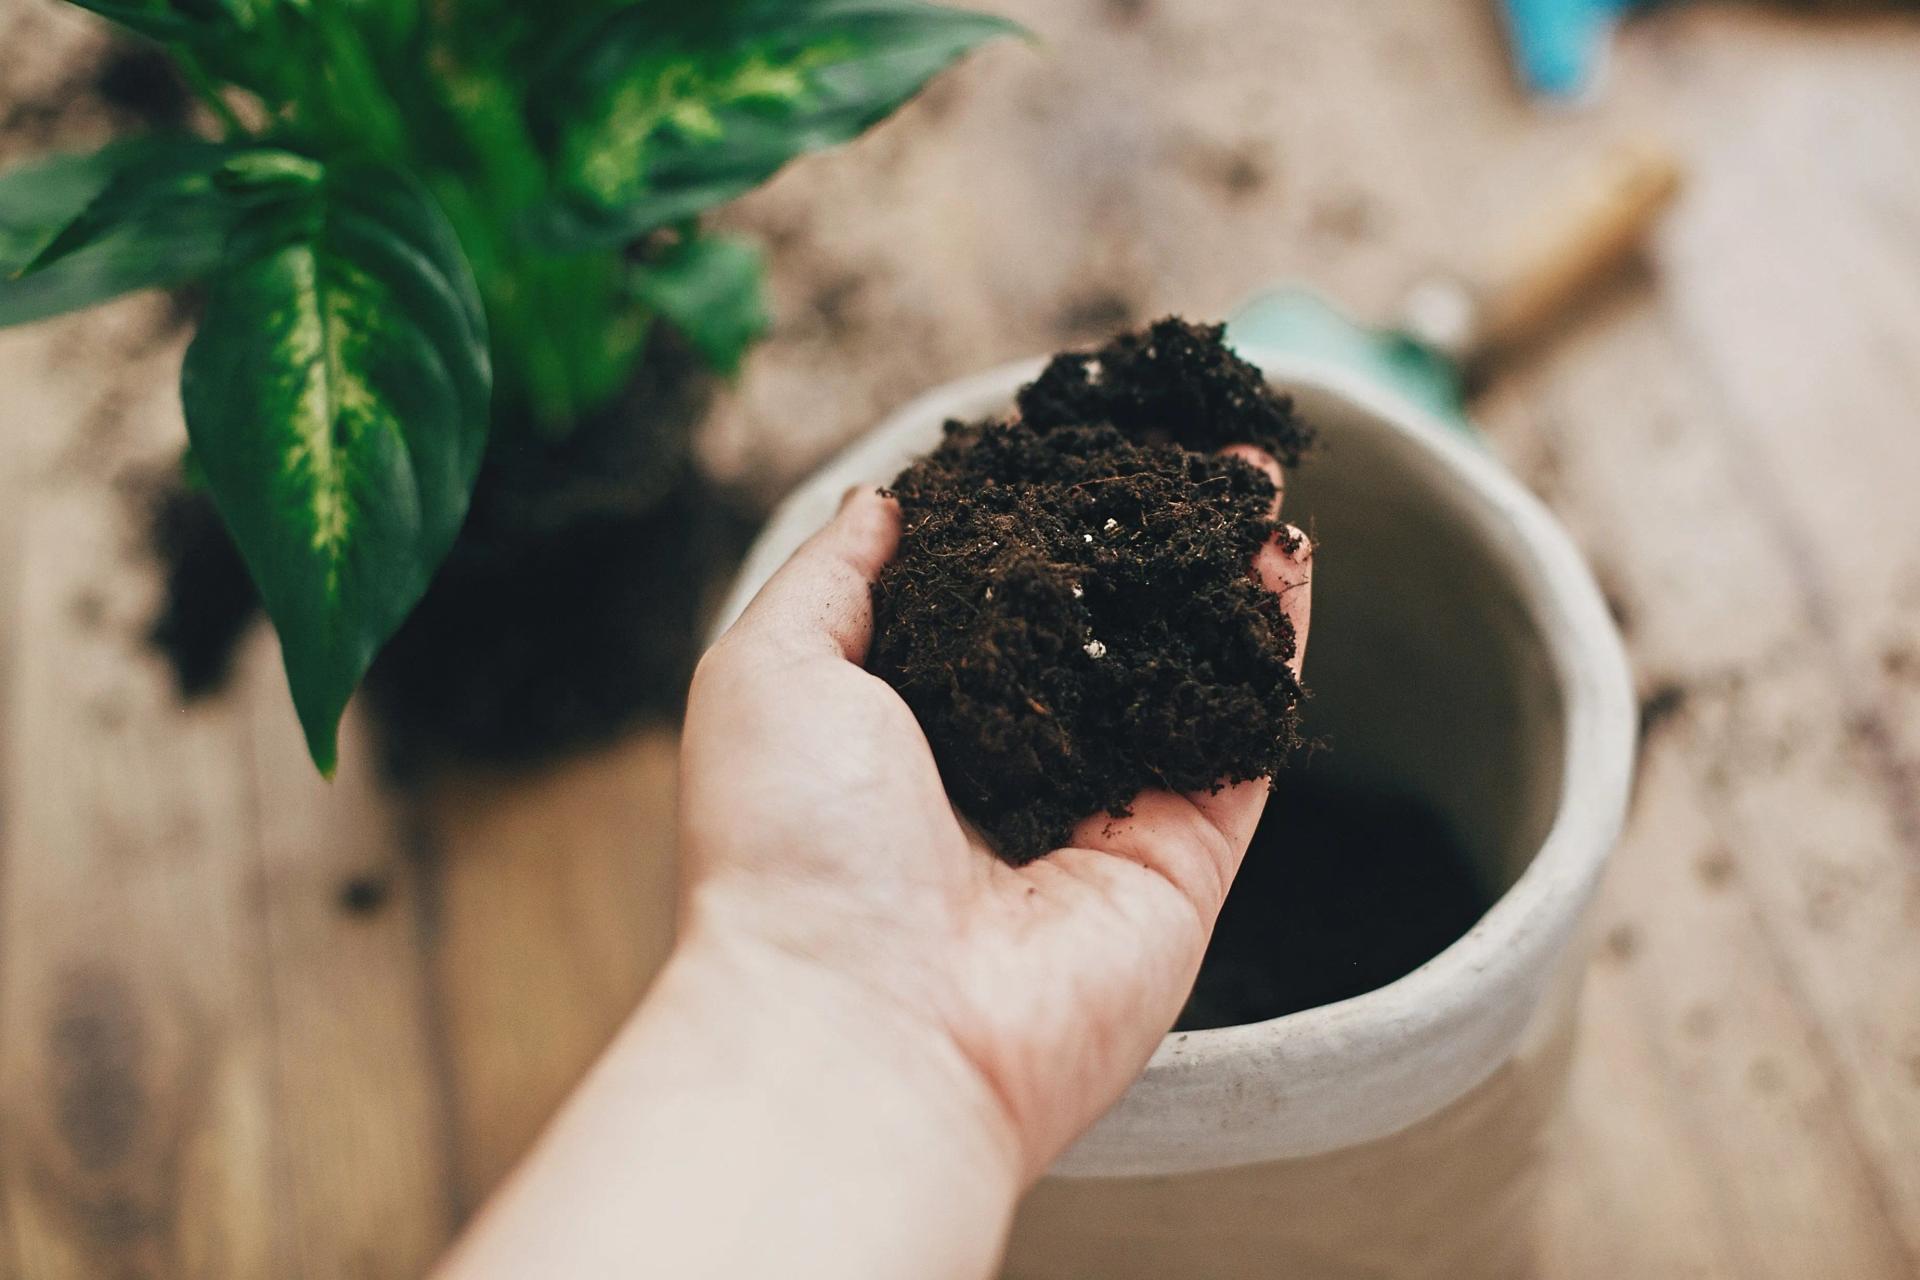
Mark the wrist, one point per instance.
(797, 1009)
(879, 1116)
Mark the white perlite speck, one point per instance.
(1095, 649)
(1087, 537)
(1077, 593)
(1111, 524)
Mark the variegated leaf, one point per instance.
(337, 398)
(671, 109)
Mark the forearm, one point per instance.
(755, 1120)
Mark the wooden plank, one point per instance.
(243, 1067)
(1745, 1101)
(135, 1055)
(1279, 143)
(1625, 1192)
(1642, 467)
(364, 1178)
(1704, 580)
(1699, 1113)
(552, 907)
(1767, 566)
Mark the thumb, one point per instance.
(822, 598)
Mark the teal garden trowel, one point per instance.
(1452, 327)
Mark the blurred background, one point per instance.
(251, 1024)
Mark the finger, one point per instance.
(1195, 850)
(1285, 566)
(1261, 460)
(1287, 572)
(823, 595)
(1234, 810)
(1197, 840)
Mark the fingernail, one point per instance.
(1296, 544)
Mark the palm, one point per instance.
(1055, 979)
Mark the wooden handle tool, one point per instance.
(1553, 261)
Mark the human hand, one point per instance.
(824, 862)
(872, 1034)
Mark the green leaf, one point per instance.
(245, 41)
(36, 200)
(670, 110)
(80, 229)
(186, 20)
(336, 400)
(711, 289)
(185, 180)
(192, 474)
(155, 21)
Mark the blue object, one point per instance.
(1559, 46)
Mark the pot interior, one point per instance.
(1439, 729)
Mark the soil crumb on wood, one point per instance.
(1073, 614)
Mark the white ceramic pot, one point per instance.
(1461, 652)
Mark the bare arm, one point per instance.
(872, 1035)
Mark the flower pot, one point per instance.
(1460, 654)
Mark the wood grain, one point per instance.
(210, 1066)
(135, 1068)
(362, 1143)
(553, 907)
(1710, 456)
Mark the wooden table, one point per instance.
(252, 1026)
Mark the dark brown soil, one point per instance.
(1343, 891)
(138, 82)
(1073, 614)
(208, 601)
(568, 610)
(134, 83)
(570, 607)
(530, 647)
(1171, 383)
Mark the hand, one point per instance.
(872, 1034)
(816, 828)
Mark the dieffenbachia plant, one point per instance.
(419, 217)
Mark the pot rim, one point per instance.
(1366, 1067)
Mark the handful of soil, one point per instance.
(1073, 614)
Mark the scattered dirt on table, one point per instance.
(1716, 867)
(1073, 614)
(364, 895)
(1344, 890)
(1901, 661)
(1661, 704)
(1622, 942)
